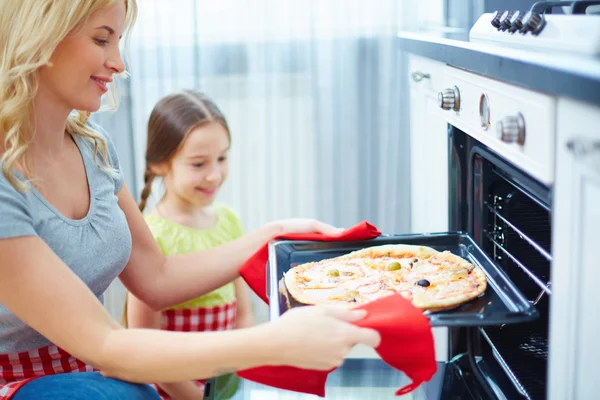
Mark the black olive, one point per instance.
(423, 282)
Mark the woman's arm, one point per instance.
(140, 316)
(161, 281)
(43, 292)
(244, 317)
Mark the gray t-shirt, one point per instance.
(96, 247)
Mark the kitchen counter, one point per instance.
(356, 379)
(559, 74)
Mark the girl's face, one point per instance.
(85, 61)
(200, 166)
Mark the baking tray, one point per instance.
(502, 303)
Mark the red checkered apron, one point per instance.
(19, 368)
(217, 318)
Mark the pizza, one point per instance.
(430, 279)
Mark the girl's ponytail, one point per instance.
(148, 179)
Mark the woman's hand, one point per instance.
(304, 225)
(319, 337)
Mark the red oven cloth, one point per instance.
(406, 344)
(406, 337)
(254, 269)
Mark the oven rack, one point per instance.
(511, 375)
(495, 237)
(523, 236)
(527, 368)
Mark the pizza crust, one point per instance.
(337, 291)
(394, 251)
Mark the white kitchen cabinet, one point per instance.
(428, 147)
(575, 323)
(428, 161)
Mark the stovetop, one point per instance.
(575, 28)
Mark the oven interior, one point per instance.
(509, 217)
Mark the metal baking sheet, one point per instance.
(502, 302)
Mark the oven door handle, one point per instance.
(585, 150)
(583, 147)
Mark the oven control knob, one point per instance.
(511, 129)
(496, 19)
(505, 23)
(533, 22)
(516, 21)
(449, 99)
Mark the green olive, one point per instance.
(394, 266)
(333, 272)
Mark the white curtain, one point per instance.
(312, 91)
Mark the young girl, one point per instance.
(188, 145)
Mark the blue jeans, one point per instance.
(83, 386)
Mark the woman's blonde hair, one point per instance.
(30, 31)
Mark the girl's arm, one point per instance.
(44, 293)
(244, 317)
(161, 281)
(140, 316)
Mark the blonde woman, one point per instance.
(69, 227)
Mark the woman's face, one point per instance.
(85, 61)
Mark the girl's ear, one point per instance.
(159, 169)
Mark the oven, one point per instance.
(507, 213)
(500, 173)
(514, 188)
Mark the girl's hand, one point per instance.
(304, 225)
(319, 337)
